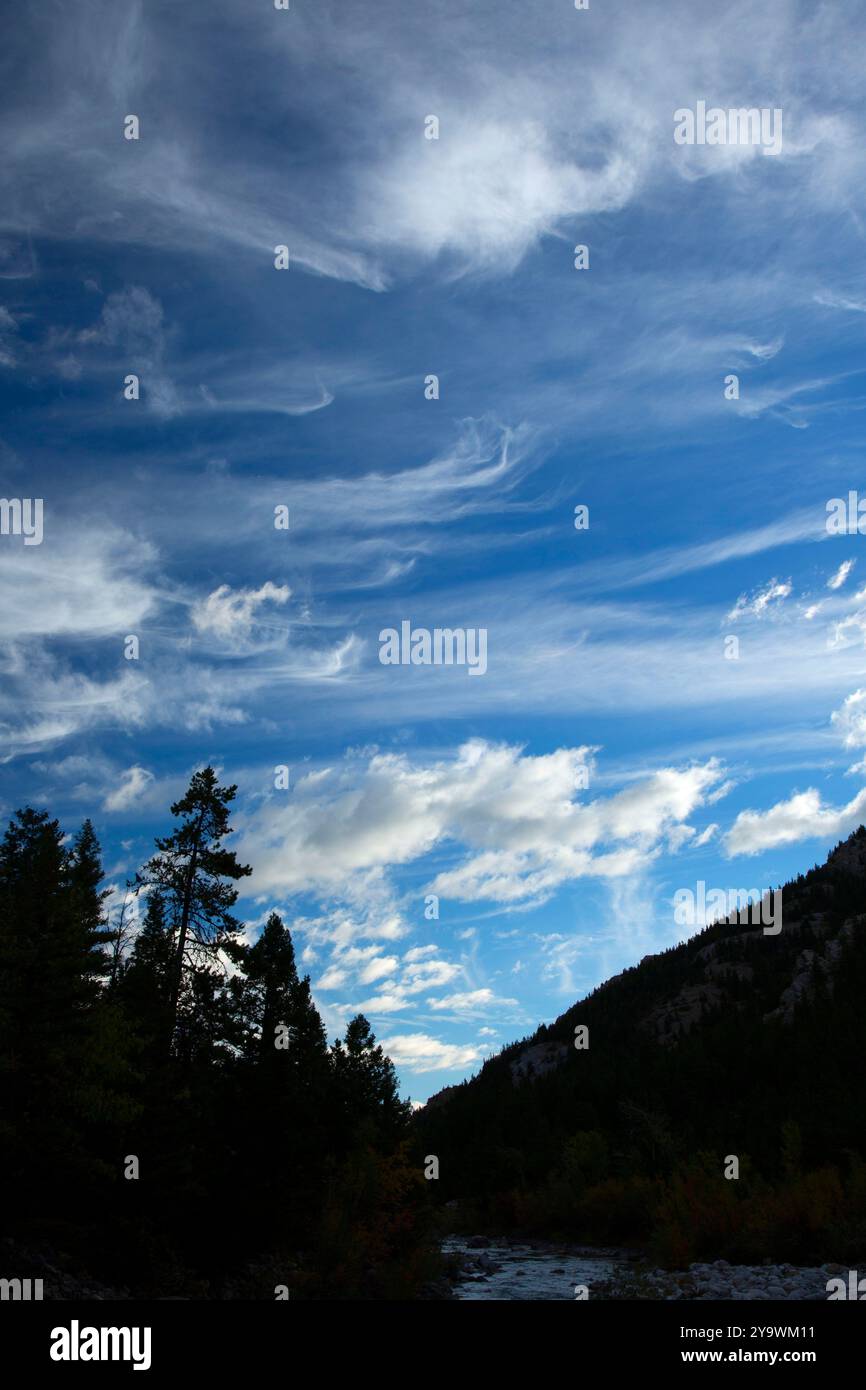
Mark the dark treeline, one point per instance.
(627, 1141)
(263, 1156)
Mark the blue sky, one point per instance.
(304, 388)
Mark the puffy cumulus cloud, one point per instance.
(526, 832)
(133, 784)
(376, 968)
(230, 614)
(541, 854)
(757, 604)
(353, 967)
(802, 817)
(428, 974)
(849, 721)
(510, 876)
(418, 1052)
(471, 1002)
(388, 1002)
(518, 816)
(419, 952)
(333, 978)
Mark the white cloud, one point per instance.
(133, 783)
(429, 974)
(471, 1002)
(802, 817)
(850, 720)
(389, 1002)
(379, 966)
(418, 1052)
(419, 953)
(706, 835)
(88, 577)
(850, 723)
(764, 351)
(832, 300)
(838, 579)
(45, 707)
(517, 815)
(758, 603)
(333, 978)
(719, 792)
(849, 631)
(487, 190)
(678, 836)
(230, 614)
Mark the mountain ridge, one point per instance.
(848, 856)
(733, 1044)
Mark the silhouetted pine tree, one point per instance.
(63, 1050)
(366, 1081)
(195, 873)
(270, 976)
(146, 981)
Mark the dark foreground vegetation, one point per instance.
(174, 1122)
(172, 1118)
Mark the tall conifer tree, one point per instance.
(196, 874)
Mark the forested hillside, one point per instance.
(736, 1044)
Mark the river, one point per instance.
(512, 1271)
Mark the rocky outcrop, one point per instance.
(538, 1059)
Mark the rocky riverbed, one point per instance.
(485, 1268)
(720, 1280)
